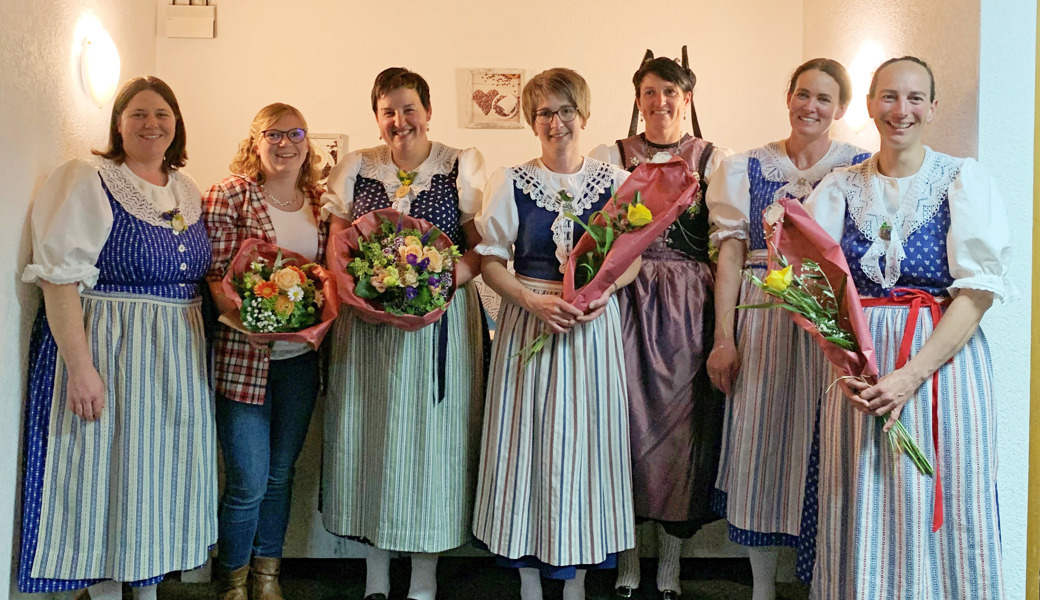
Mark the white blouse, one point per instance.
(499, 222)
(72, 218)
(978, 242)
(729, 200)
(610, 153)
(376, 163)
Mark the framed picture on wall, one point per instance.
(492, 98)
(331, 147)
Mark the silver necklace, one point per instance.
(276, 201)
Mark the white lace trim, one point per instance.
(377, 164)
(777, 166)
(189, 200)
(922, 201)
(531, 179)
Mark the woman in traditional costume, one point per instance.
(927, 241)
(772, 372)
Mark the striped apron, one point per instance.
(555, 468)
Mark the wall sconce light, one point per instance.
(869, 56)
(99, 66)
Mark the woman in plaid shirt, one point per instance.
(265, 396)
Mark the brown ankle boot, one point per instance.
(232, 584)
(265, 578)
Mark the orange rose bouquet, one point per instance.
(279, 295)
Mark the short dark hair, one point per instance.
(830, 67)
(399, 77)
(176, 155)
(913, 59)
(668, 70)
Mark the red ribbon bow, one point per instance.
(916, 299)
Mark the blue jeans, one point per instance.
(260, 444)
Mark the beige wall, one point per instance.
(323, 56)
(945, 33)
(46, 119)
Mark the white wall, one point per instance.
(1006, 113)
(945, 33)
(323, 56)
(45, 120)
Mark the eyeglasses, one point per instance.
(545, 116)
(274, 136)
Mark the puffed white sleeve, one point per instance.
(729, 200)
(71, 221)
(498, 221)
(826, 205)
(979, 240)
(608, 153)
(718, 155)
(620, 175)
(470, 183)
(338, 199)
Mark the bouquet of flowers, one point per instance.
(615, 236)
(835, 319)
(396, 269)
(279, 295)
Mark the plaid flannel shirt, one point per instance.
(234, 211)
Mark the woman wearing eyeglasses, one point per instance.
(404, 407)
(265, 396)
(554, 495)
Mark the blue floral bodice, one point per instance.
(141, 258)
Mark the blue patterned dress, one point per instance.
(766, 480)
(132, 495)
(400, 459)
(946, 231)
(555, 483)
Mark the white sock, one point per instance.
(530, 584)
(628, 568)
(574, 589)
(668, 547)
(377, 571)
(763, 569)
(106, 590)
(424, 577)
(145, 593)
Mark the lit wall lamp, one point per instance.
(861, 70)
(99, 66)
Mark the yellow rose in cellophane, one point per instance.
(779, 281)
(639, 215)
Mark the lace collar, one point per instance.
(888, 232)
(189, 200)
(777, 167)
(532, 178)
(377, 164)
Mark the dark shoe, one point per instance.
(670, 595)
(623, 592)
(265, 578)
(375, 597)
(231, 585)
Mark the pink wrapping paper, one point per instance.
(252, 249)
(666, 189)
(346, 245)
(796, 235)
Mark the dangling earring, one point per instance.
(640, 117)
